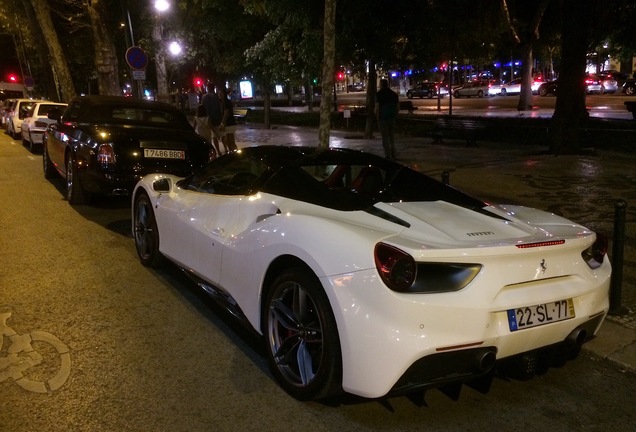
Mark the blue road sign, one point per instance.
(136, 58)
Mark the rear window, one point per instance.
(142, 116)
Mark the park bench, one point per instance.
(457, 128)
(240, 114)
(631, 107)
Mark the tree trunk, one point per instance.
(61, 71)
(267, 101)
(570, 113)
(160, 62)
(372, 88)
(106, 62)
(328, 64)
(525, 98)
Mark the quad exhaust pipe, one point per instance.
(527, 365)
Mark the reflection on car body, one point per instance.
(365, 276)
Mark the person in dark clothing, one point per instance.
(228, 122)
(212, 105)
(386, 109)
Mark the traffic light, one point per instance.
(13, 78)
(198, 82)
(340, 76)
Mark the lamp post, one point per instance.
(160, 59)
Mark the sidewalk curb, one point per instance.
(616, 344)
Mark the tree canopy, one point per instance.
(282, 41)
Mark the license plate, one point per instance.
(164, 154)
(533, 316)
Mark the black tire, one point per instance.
(456, 94)
(409, 95)
(301, 337)
(630, 90)
(430, 94)
(145, 232)
(503, 92)
(480, 94)
(543, 91)
(47, 165)
(75, 193)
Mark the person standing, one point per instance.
(228, 122)
(202, 126)
(212, 105)
(387, 105)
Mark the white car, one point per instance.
(365, 276)
(17, 114)
(36, 122)
(514, 87)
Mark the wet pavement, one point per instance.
(586, 188)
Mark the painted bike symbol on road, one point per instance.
(31, 359)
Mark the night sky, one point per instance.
(8, 59)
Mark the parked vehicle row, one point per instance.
(594, 84)
(376, 317)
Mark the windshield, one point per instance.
(358, 187)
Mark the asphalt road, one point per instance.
(125, 348)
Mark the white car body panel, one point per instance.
(33, 128)
(383, 332)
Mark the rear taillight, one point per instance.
(595, 254)
(396, 268)
(106, 155)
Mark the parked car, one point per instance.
(629, 87)
(370, 277)
(105, 144)
(36, 122)
(494, 87)
(514, 86)
(17, 114)
(5, 110)
(608, 83)
(548, 88)
(426, 89)
(592, 85)
(479, 88)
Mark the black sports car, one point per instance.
(105, 144)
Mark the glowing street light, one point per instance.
(175, 48)
(162, 5)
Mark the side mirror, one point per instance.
(162, 185)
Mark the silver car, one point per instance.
(608, 83)
(479, 88)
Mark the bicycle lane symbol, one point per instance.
(21, 356)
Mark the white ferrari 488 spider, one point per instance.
(366, 277)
